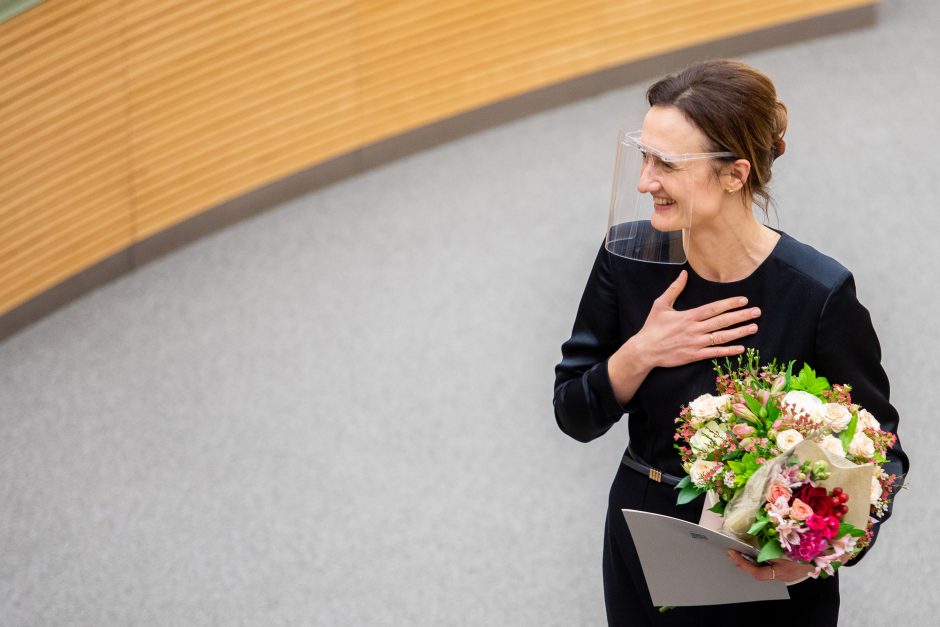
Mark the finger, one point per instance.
(717, 352)
(668, 298)
(716, 338)
(716, 308)
(756, 571)
(743, 564)
(730, 319)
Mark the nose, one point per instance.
(648, 181)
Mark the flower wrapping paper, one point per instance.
(854, 479)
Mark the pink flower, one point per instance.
(832, 527)
(800, 510)
(845, 544)
(741, 411)
(741, 430)
(826, 526)
(811, 544)
(778, 491)
(763, 396)
(792, 476)
(823, 563)
(778, 510)
(816, 523)
(788, 533)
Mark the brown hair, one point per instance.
(736, 107)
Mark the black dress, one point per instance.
(809, 313)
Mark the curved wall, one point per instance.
(123, 118)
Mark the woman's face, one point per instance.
(681, 187)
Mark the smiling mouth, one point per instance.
(663, 202)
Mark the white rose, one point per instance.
(868, 421)
(835, 416)
(803, 403)
(700, 469)
(788, 439)
(707, 407)
(875, 492)
(833, 445)
(862, 446)
(707, 438)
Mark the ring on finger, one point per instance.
(711, 339)
(773, 574)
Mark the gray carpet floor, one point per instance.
(338, 412)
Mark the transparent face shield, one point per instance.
(652, 203)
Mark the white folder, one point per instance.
(688, 564)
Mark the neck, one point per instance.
(730, 250)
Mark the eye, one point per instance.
(667, 165)
(652, 160)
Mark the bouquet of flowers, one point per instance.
(768, 429)
(804, 521)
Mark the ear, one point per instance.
(735, 175)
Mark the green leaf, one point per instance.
(849, 432)
(773, 412)
(688, 494)
(744, 468)
(718, 508)
(847, 528)
(751, 403)
(770, 551)
(750, 463)
(686, 480)
(760, 524)
(809, 382)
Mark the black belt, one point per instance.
(633, 461)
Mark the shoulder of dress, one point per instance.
(803, 259)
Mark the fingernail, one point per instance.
(742, 300)
(755, 312)
(752, 328)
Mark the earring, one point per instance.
(730, 191)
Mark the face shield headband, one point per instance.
(653, 200)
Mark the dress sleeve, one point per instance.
(585, 404)
(848, 351)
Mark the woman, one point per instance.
(645, 333)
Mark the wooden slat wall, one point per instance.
(121, 118)
(65, 198)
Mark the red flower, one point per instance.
(817, 498)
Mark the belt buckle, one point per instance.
(656, 475)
